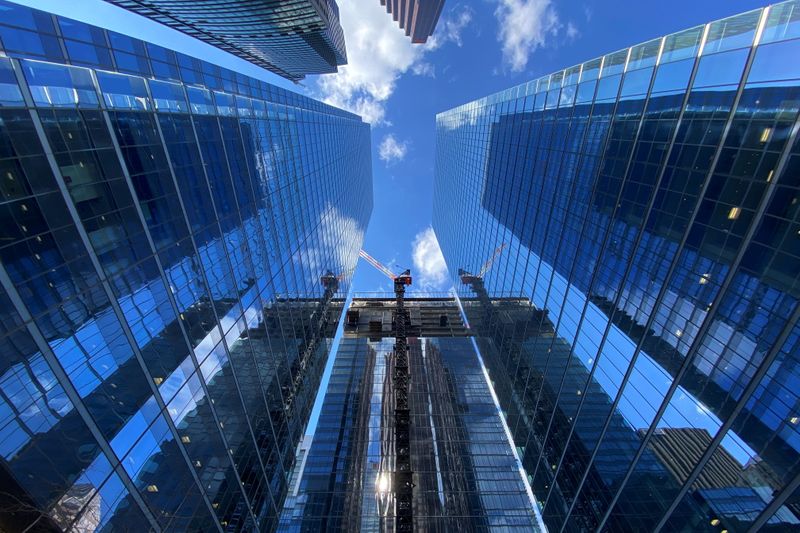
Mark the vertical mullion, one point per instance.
(202, 273)
(771, 354)
(584, 225)
(250, 353)
(629, 266)
(214, 309)
(171, 298)
(711, 315)
(777, 502)
(73, 395)
(597, 269)
(106, 286)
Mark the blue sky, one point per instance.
(479, 47)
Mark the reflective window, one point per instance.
(153, 251)
(124, 92)
(10, 94)
(54, 85)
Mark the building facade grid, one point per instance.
(169, 254)
(466, 475)
(291, 38)
(646, 202)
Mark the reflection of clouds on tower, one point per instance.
(378, 54)
(645, 197)
(340, 239)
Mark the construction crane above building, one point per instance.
(398, 479)
(468, 279)
(315, 331)
(404, 277)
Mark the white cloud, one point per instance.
(390, 150)
(429, 266)
(423, 68)
(378, 53)
(450, 29)
(340, 239)
(524, 27)
(572, 31)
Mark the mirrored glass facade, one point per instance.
(645, 206)
(169, 250)
(291, 38)
(466, 475)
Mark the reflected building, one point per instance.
(174, 235)
(648, 204)
(466, 475)
(291, 508)
(291, 38)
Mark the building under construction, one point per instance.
(445, 450)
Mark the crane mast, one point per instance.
(402, 485)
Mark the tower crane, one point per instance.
(402, 484)
(313, 334)
(476, 280)
(505, 341)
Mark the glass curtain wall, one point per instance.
(647, 205)
(466, 476)
(169, 253)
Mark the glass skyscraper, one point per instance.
(466, 476)
(172, 234)
(649, 205)
(291, 38)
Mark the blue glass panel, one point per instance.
(776, 62)
(54, 85)
(88, 54)
(132, 63)
(18, 42)
(244, 106)
(591, 70)
(24, 17)
(585, 92)
(783, 22)
(225, 104)
(160, 53)
(721, 69)
(644, 55)
(636, 82)
(259, 108)
(165, 71)
(123, 92)
(126, 44)
(168, 97)
(682, 45)
(72, 29)
(10, 94)
(733, 32)
(200, 101)
(608, 88)
(673, 76)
